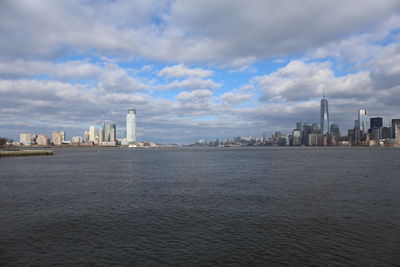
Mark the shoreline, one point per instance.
(23, 153)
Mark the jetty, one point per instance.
(20, 153)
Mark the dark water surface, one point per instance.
(216, 206)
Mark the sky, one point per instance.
(195, 69)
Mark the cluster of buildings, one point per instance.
(367, 131)
(105, 136)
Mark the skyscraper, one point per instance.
(363, 121)
(395, 128)
(376, 128)
(324, 115)
(109, 132)
(131, 126)
(92, 134)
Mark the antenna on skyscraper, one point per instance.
(323, 92)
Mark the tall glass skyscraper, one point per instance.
(363, 120)
(324, 116)
(131, 126)
(109, 132)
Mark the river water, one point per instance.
(201, 206)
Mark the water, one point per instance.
(204, 206)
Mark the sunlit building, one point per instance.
(25, 139)
(57, 138)
(324, 116)
(131, 126)
(109, 132)
(92, 135)
(363, 121)
(41, 140)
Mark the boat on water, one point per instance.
(132, 145)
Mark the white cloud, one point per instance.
(235, 97)
(196, 96)
(184, 31)
(191, 84)
(181, 70)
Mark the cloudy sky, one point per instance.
(195, 69)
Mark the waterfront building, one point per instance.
(307, 129)
(76, 139)
(363, 121)
(41, 140)
(131, 126)
(396, 129)
(86, 136)
(25, 139)
(376, 125)
(314, 139)
(324, 116)
(386, 132)
(92, 134)
(334, 130)
(62, 133)
(357, 135)
(296, 137)
(300, 126)
(100, 139)
(376, 122)
(57, 138)
(109, 132)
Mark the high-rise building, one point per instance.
(334, 130)
(376, 122)
(41, 140)
(396, 128)
(92, 135)
(25, 139)
(363, 121)
(324, 116)
(131, 126)
(376, 126)
(109, 132)
(62, 133)
(57, 138)
(86, 136)
(101, 135)
(296, 137)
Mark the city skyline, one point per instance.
(183, 65)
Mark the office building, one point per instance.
(296, 137)
(324, 116)
(396, 128)
(100, 135)
(109, 132)
(386, 132)
(57, 138)
(376, 122)
(92, 134)
(41, 140)
(363, 121)
(131, 126)
(376, 126)
(86, 136)
(25, 139)
(76, 139)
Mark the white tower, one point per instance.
(92, 134)
(131, 126)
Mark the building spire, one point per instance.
(323, 92)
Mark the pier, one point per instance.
(20, 153)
